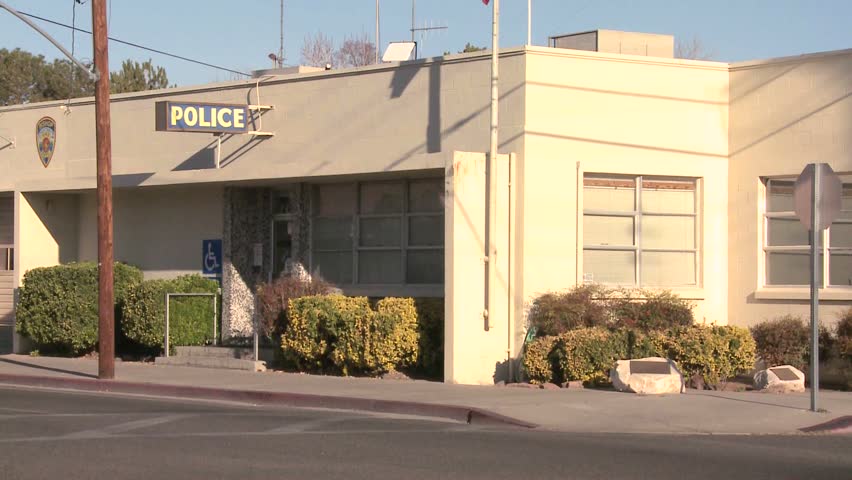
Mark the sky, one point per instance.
(239, 34)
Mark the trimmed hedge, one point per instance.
(558, 312)
(843, 330)
(58, 306)
(782, 341)
(430, 328)
(649, 310)
(273, 300)
(333, 333)
(587, 354)
(190, 318)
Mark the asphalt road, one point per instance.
(52, 434)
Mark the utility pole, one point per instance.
(491, 173)
(106, 304)
(378, 33)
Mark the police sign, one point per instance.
(201, 117)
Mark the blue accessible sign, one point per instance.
(211, 262)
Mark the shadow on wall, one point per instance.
(59, 214)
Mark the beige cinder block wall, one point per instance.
(602, 113)
(785, 113)
(158, 229)
(476, 351)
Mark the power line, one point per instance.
(136, 45)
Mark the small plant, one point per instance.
(782, 341)
(581, 307)
(538, 361)
(843, 332)
(587, 354)
(650, 310)
(273, 300)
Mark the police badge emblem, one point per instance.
(45, 139)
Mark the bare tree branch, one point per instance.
(356, 51)
(318, 51)
(693, 49)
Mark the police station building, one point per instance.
(615, 168)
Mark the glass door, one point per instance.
(282, 247)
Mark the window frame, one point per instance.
(845, 217)
(637, 215)
(356, 249)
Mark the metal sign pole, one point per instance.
(816, 233)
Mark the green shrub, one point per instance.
(649, 310)
(556, 313)
(588, 354)
(843, 332)
(190, 318)
(782, 341)
(430, 328)
(715, 354)
(273, 300)
(343, 334)
(58, 307)
(537, 360)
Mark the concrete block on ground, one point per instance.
(647, 376)
(780, 379)
(213, 362)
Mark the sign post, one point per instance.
(816, 197)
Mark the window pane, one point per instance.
(784, 232)
(668, 196)
(381, 197)
(789, 268)
(668, 268)
(335, 199)
(380, 267)
(381, 232)
(779, 196)
(426, 231)
(425, 266)
(846, 195)
(426, 195)
(601, 266)
(609, 194)
(335, 267)
(841, 235)
(840, 269)
(332, 233)
(668, 232)
(600, 230)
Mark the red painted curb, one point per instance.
(837, 425)
(452, 412)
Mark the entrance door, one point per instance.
(7, 270)
(282, 246)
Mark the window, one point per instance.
(787, 241)
(640, 231)
(380, 233)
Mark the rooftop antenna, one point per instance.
(424, 29)
(281, 39)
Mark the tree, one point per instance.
(135, 77)
(318, 51)
(468, 47)
(356, 51)
(28, 78)
(693, 49)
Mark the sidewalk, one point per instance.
(572, 410)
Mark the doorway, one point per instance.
(7, 273)
(282, 246)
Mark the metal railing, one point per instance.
(214, 297)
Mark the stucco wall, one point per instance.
(159, 230)
(602, 113)
(785, 113)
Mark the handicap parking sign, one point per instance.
(211, 262)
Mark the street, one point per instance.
(64, 434)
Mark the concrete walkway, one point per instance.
(573, 410)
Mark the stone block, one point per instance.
(780, 379)
(647, 376)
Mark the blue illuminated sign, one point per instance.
(201, 117)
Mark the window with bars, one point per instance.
(640, 231)
(786, 241)
(379, 233)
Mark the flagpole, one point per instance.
(529, 22)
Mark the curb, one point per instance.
(462, 414)
(838, 425)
